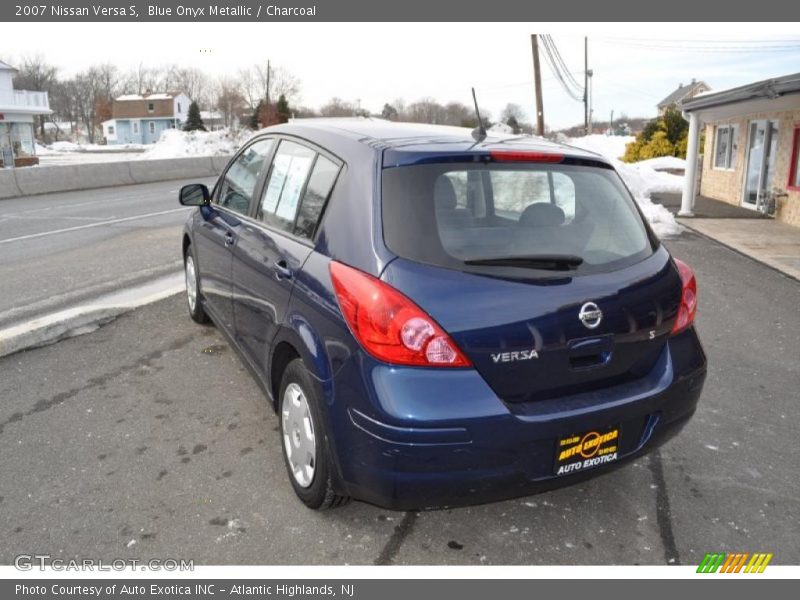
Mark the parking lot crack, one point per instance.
(397, 538)
(663, 510)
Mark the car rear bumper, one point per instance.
(419, 438)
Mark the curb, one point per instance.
(44, 332)
(85, 318)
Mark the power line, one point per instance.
(703, 41)
(703, 48)
(563, 64)
(560, 65)
(564, 77)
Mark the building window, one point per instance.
(725, 146)
(179, 107)
(151, 107)
(152, 127)
(21, 135)
(136, 127)
(794, 169)
(110, 130)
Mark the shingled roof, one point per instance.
(683, 91)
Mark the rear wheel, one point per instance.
(304, 440)
(193, 298)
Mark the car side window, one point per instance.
(319, 187)
(239, 183)
(287, 180)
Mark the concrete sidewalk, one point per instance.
(706, 208)
(770, 242)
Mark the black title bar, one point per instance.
(398, 10)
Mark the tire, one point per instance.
(194, 298)
(304, 440)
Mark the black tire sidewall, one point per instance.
(315, 495)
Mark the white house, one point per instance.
(17, 111)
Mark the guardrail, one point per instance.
(30, 181)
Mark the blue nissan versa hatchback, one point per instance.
(441, 321)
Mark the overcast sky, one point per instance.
(635, 65)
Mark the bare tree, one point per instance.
(62, 102)
(229, 100)
(37, 75)
(283, 83)
(514, 111)
(337, 107)
(192, 82)
(91, 94)
(457, 114)
(142, 79)
(426, 110)
(267, 82)
(250, 89)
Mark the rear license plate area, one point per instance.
(586, 450)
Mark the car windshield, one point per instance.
(522, 216)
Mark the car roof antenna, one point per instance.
(479, 133)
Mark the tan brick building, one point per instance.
(751, 152)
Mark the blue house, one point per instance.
(140, 119)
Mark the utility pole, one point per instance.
(268, 74)
(611, 122)
(537, 82)
(586, 85)
(591, 99)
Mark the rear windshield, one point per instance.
(446, 214)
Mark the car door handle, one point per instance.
(230, 239)
(282, 270)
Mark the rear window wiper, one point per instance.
(551, 262)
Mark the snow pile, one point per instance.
(43, 150)
(663, 163)
(610, 146)
(175, 143)
(64, 147)
(642, 179)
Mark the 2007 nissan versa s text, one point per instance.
(440, 320)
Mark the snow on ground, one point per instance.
(610, 146)
(175, 143)
(70, 153)
(641, 178)
(663, 163)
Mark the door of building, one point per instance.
(762, 142)
(6, 151)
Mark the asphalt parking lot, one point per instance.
(148, 439)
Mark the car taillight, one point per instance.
(688, 305)
(390, 326)
(525, 156)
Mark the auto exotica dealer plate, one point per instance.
(578, 452)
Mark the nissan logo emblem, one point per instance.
(590, 315)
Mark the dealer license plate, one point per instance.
(582, 451)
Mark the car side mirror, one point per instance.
(194, 194)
